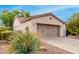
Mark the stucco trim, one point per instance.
(47, 24)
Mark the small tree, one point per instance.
(7, 17)
(73, 24)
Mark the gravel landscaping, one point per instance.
(45, 49)
(49, 49)
(3, 46)
(74, 37)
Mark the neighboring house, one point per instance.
(45, 25)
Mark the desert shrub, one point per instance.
(23, 43)
(4, 34)
(3, 28)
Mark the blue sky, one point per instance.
(64, 12)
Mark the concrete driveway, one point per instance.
(66, 43)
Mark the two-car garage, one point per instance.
(45, 30)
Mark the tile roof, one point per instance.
(24, 19)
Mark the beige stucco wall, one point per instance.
(46, 20)
(21, 26)
(32, 25)
(27, 24)
(16, 25)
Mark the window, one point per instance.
(50, 18)
(26, 29)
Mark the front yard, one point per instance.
(45, 49)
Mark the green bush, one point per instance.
(23, 43)
(74, 33)
(3, 28)
(4, 34)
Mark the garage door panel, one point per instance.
(47, 30)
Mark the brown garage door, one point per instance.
(45, 30)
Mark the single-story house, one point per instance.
(45, 25)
